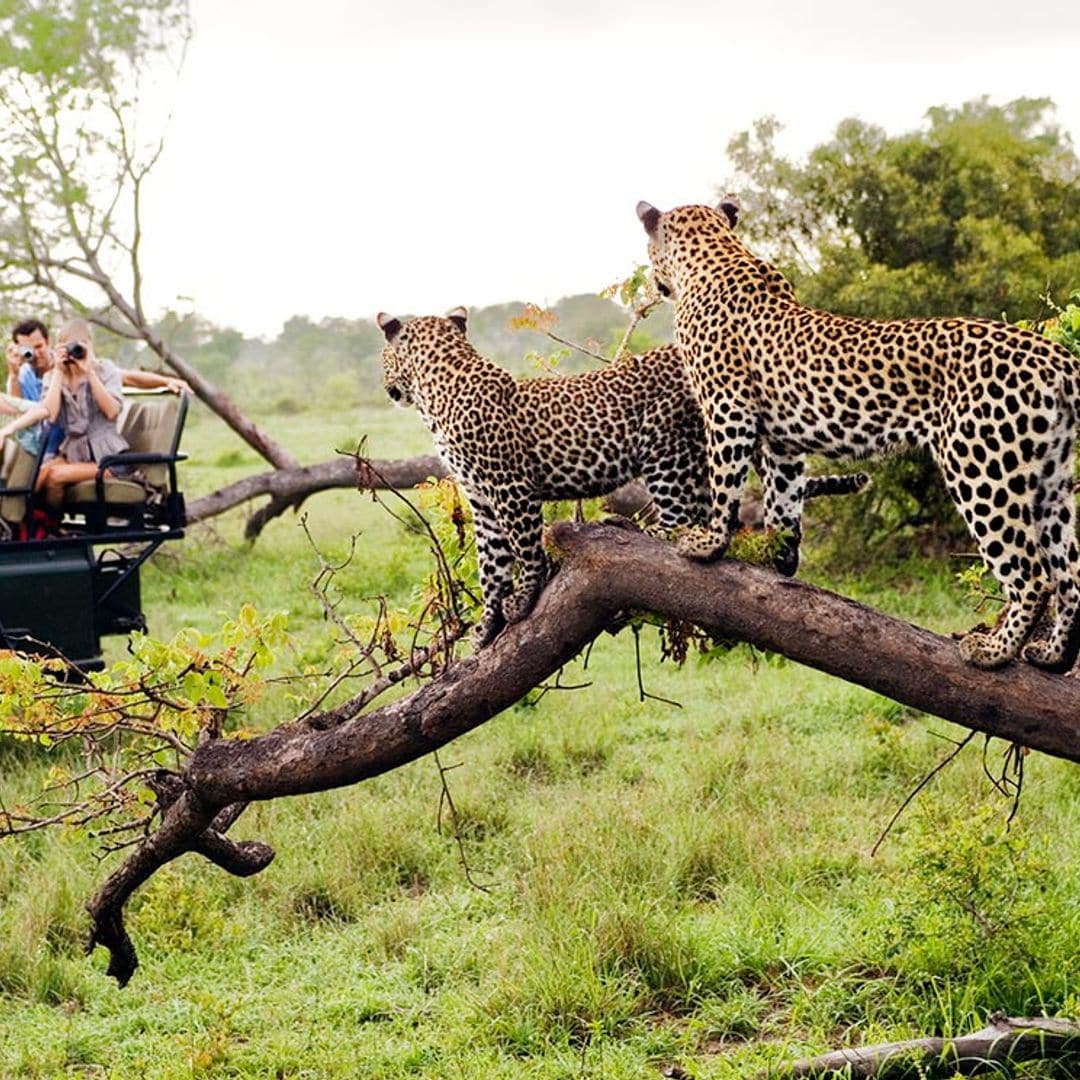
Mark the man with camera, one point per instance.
(30, 358)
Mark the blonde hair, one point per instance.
(78, 329)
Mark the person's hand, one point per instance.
(177, 386)
(14, 359)
(68, 363)
(5, 431)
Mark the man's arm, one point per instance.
(151, 380)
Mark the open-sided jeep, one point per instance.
(61, 591)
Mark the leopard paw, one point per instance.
(983, 650)
(487, 629)
(1046, 655)
(520, 602)
(701, 545)
(786, 557)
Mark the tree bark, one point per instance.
(1005, 1041)
(604, 571)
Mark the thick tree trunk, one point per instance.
(604, 570)
(1005, 1041)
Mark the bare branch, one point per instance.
(1005, 1041)
(918, 787)
(286, 486)
(446, 799)
(637, 315)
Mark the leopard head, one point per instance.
(683, 238)
(408, 344)
(396, 369)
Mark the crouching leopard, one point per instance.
(994, 404)
(513, 444)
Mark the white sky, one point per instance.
(340, 158)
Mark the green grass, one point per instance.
(665, 885)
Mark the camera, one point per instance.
(26, 353)
(76, 351)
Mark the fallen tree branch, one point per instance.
(603, 571)
(1005, 1041)
(289, 487)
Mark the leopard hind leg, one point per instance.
(995, 498)
(1055, 518)
(1027, 596)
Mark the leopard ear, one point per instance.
(459, 316)
(649, 216)
(729, 207)
(390, 326)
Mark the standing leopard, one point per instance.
(994, 404)
(514, 444)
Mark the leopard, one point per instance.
(514, 444)
(994, 404)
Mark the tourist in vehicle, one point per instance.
(83, 394)
(29, 359)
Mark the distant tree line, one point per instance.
(977, 213)
(311, 363)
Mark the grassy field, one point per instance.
(665, 885)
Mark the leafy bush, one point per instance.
(1063, 328)
(978, 893)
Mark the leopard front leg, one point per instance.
(495, 563)
(729, 441)
(523, 524)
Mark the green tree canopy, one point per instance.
(976, 213)
(71, 162)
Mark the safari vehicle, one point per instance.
(60, 594)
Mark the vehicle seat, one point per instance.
(152, 424)
(18, 473)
